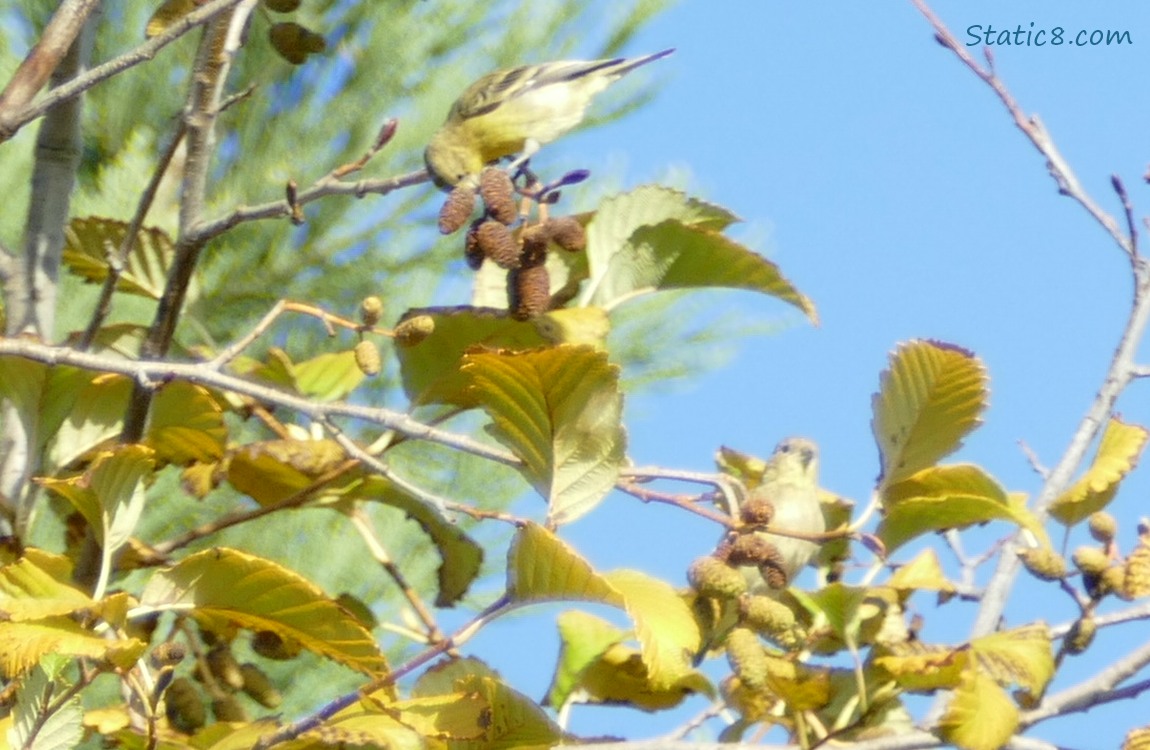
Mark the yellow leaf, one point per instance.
(945, 497)
(186, 425)
(559, 410)
(923, 573)
(929, 398)
(1117, 455)
(273, 470)
(918, 666)
(980, 716)
(582, 639)
(168, 13)
(1021, 656)
(259, 594)
(540, 567)
(29, 593)
(23, 643)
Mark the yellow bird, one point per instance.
(517, 110)
(790, 484)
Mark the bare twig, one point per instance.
(1033, 129)
(1122, 368)
(1094, 691)
(35, 70)
(119, 260)
(294, 500)
(461, 636)
(11, 122)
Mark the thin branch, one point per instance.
(294, 500)
(1094, 691)
(1121, 369)
(152, 373)
(49, 50)
(366, 530)
(11, 122)
(461, 636)
(1034, 130)
(323, 187)
(119, 260)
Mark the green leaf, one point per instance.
(540, 567)
(328, 377)
(430, 369)
(461, 557)
(923, 573)
(97, 416)
(1117, 455)
(61, 730)
(110, 493)
(510, 719)
(89, 242)
(980, 715)
(673, 255)
(840, 605)
(186, 425)
(1021, 656)
(582, 639)
(226, 584)
(560, 411)
(929, 398)
(946, 497)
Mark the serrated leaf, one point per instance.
(23, 644)
(431, 369)
(33, 727)
(945, 497)
(917, 666)
(560, 411)
(461, 558)
(980, 715)
(673, 255)
(746, 468)
(839, 604)
(1117, 455)
(540, 567)
(929, 398)
(89, 241)
(22, 383)
(618, 676)
(28, 592)
(110, 493)
(271, 471)
(259, 594)
(1021, 656)
(923, 573)
(95, 418)
(186, 425)
(803, 688)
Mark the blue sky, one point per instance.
(892, 187)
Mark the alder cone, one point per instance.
(528, 292)
(456, 209)
(568, 233)
(498, 244)
(498, 195)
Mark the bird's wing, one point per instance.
(493, 89)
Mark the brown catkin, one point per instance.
(498, 195)
(528, 292)
(568, 233)
(498, 244)
(456, 209)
